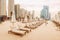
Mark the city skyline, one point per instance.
(37, 5)
(29, 19)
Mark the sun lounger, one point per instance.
(15, 31)
(25, 29)
(34, 25)
(22, 27)
(57, 23)
(31, 27)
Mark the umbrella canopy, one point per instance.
(13, 19)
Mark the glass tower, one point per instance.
(45, 13)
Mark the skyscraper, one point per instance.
(57, 17)
(10, 7)
(22, 13)
(17, 10)
(45, 13)
(3, 7)
(33, 14)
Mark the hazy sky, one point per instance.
(37, 5)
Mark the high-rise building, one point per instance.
(3, 7)
(59, 14)
(22, 14)
(17, 10)
(45, 13)
(10, 7)
(57, 17)
(33, 14)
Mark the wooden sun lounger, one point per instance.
(34, 24)
(15, 31)
(31, 27)
(25, 29)
(37, 24)
(57, 23)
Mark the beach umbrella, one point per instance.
(13, 19)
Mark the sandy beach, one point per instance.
(43, 32)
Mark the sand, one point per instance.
(43, 32)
